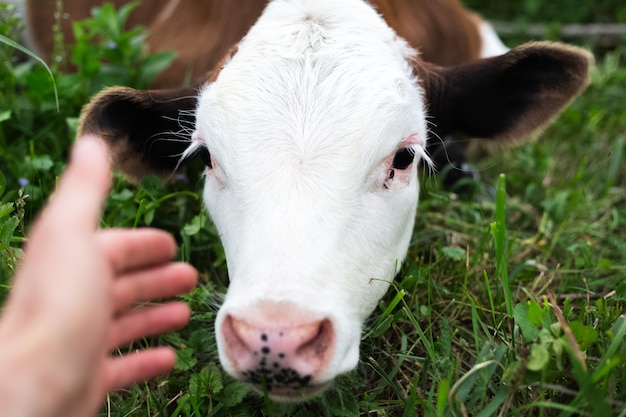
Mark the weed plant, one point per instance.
(509, 304)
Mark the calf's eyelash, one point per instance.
(199, 149)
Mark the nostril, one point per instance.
(234, 338)
(232, 333)
(267, 347)
(317, 345)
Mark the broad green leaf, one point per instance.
(196, 224)
(7, 228)
(456, 254)
(185, 360)
(148, 216)
(152, 184)
(539, 357)
(6, 209)
(123, 195)
(42, 163)
(513, 373)
(604, 263)
(72, 125)
(214, 374)
(521, 317)
(207, 382)
(585, 335)
(5, 115)
(198, 385)
(556, 329)
(536, 313)
(233, 393)
(154, 64)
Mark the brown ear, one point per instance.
(511, 96)
(146, 131)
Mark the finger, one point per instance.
(83, 187)
(128, 250)
(148, 321)
(138, 367)
(155, 283)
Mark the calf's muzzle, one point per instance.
(279, 348)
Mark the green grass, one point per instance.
(511, 304)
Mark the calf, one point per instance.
(311, 131)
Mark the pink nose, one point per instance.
(279, 354)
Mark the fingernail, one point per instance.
(87, 146)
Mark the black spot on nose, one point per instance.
(266, 350)
(264, 337)
(283, 377)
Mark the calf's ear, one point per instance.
(511, 96)
(146, 131)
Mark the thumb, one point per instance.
(83, 186)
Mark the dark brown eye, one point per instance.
(404, 158)
(205, 157)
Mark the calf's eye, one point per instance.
(205, 157)
(404, 158)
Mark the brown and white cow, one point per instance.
(311, 131)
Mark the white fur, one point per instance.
(302, 125)
(491, 43)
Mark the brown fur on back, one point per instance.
(442, 30)
(202, 32)
(203, 37)
(41, 17)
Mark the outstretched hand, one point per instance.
(75, 298)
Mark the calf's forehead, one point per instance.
(313, 88)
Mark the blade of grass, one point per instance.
(426, 342)
(492, 307)
(492, 408)
(617, 161)
(13, 44)
(498, 230)
(386, 318)
(442, 396)
(607, 359)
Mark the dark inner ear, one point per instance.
(506, 97)
(146, 131)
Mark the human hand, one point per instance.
(72, 301)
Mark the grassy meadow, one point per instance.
(509, 304)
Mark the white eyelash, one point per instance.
(421, 151)
(192, 149)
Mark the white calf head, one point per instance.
(312, 128)
(311, 134)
